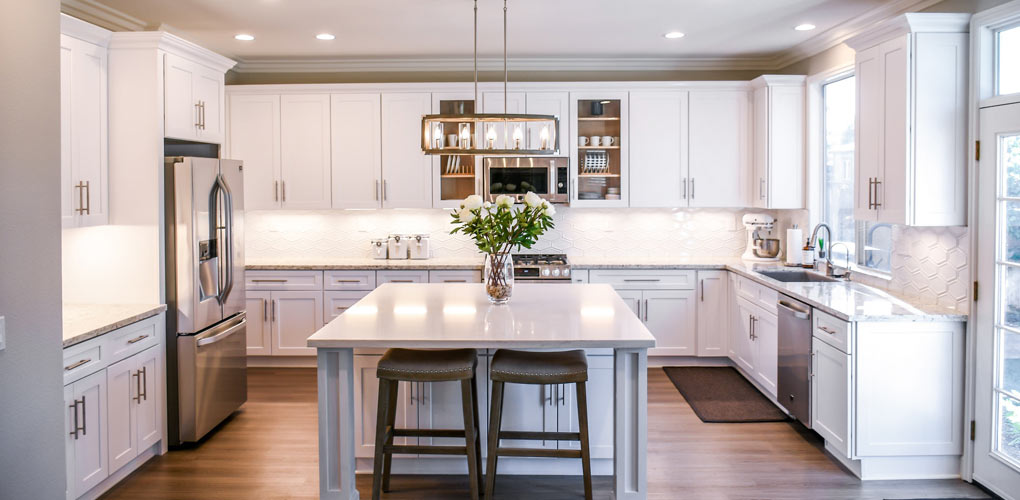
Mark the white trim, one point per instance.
(982, 85)
(84, 31)
(778, 81)
(173, 44)
(443, 64)
(320, 88)
(96, 13)
(911, 23)
(813, 131)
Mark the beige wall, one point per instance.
(31, 384)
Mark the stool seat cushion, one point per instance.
(419, 365)
(526, 367)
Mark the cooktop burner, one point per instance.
(541, 267)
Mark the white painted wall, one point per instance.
(31, 386)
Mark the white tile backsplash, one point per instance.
(928, 264)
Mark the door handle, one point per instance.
(265, 310)
(137, 339)
(138, 386)
(754, 327)
(646, 310)
(547, 396)
(684, 194)
(376, 190)
(702, 290)
(827, 330)
(198, 114)
(77, 364)
(635, 280)
(639, 309)
(76, 428)
(871, 185)
(272, 312)
(145, 384)
(811, 371)
(88, 199)
(84, 422)
(877, 184)
(276, 190)
(222, 335)
(385, 191)
(561, 392)
(411, 387)
(761, 188)
(692, 188)
(283, 191)
(81, 195)
(797, 311)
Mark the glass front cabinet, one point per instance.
(456, 176)
(598, 149)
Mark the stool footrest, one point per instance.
(540, 436)
(426, 450)
(537, 452)
(442, 433)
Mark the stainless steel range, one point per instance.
(544, 268)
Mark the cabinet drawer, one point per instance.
(759, 294)
(283, 280)
(832, 331)
(132, 339)
(82, 360)
(459, 276)
(417, 276)
(349, 280)
(336, 303)
(645, 279)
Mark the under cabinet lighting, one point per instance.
(244, 37)
(804, 27)
(324, 36)
(673, 35)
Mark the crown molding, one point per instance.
(174, 44)
(88, 32)
(101, 15)
(446, 64)
(911, 23)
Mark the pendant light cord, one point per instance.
(506, 72)
(476, 56)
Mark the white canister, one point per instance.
(380, 249)
(397, 244)
(420, 246)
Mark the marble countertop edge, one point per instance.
(83, 322)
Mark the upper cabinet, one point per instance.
(192, 97)
(911, 77)
(254, 138)
(457, 176)
(406, 171)
(357, 150)
(599, 149)
(778, 145)
(689, 149)
(84, 156)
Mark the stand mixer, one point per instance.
(760, 248)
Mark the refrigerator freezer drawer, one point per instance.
(212, 374)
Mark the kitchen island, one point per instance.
(447, 316)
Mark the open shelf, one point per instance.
(598, 118)
(458, 176)
(598, 147)
(598, 175)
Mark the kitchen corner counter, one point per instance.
(87, 321)
(847, 300)
(353, 263)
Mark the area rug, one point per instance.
(719, 394)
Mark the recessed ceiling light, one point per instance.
(804, 27)
(244, 37)
(324, 36)
(673, 35)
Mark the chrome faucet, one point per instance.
(825, 252)
(845, 274)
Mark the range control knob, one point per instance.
(566, 272)
(545, 272)
(556, 272)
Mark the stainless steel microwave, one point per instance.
(547, 177)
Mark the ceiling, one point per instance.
(379, 29)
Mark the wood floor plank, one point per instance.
(268, 450)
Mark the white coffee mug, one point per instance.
(595, 140)
(607, 140)
(582, 140)
(452, 140)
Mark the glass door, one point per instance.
(599, 156)
(458, 177)
(997, 328)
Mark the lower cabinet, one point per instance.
(280, 322)
(754, 343)
(669, 315)
(86, 448)
(830, 395)
(114, 413)
(713, 313)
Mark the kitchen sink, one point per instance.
(797, 276)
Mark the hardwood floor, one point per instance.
(269, 451)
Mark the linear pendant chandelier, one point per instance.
(490, 133)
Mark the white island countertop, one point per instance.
(455, 315)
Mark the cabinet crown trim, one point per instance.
(174, 44)
(84, 31)
(911, 23)
(778, 80)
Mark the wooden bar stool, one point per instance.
(413, 365)
(524, 367)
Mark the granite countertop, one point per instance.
(340, 263)
(847, 300)
(87, 321)
(459, 315)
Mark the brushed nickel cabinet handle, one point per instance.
(401, 281)
(283, 191)
(385, 191)
(198, 114)
(145, 384)
(342, 308)
(76, 428)
(827, 330)
(877, 184)
(761, 188)
(88, 199)
(635, 280)
(84, 423)
(266, 280)
(454, 281)
(272, 311)
(265, 310)
(692, 188)
(702, 290)
(348, 281)
(377, 190)
(77, 364)
(684, 193)
(646, 310)
(561, 391)
(547, 395)
(276, 190)
(138, 339)
(137, 375)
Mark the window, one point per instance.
(1007, 52)
(865, 243)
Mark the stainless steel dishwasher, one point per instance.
(795, 358)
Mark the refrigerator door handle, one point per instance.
(224, 234)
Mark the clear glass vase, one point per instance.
(499, 277)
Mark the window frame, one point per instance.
(822, 188)
(996, 92)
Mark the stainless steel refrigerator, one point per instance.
(206, 323)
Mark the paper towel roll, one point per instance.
(794, 237)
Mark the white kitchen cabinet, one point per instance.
(295, 317)
(402, 276)
(357, 150)
(778, 144)
(455, 276)
(741, 345)
(134, 406)
(456, 177)
(86, 423)
(335, 303)
(831, 387)
(599, 392)
(259, 330)
(406, 172)
(192, 100)
(718, 148)
(439, 405)
(305, 178)
(754, 343)
(549, 103)
(84, 156)
(254, 138)
(591, 184)
(366, 392)
(911, 134)
(713, 313)
(659, 149)
(670, 316)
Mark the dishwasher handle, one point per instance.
(795, 310)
